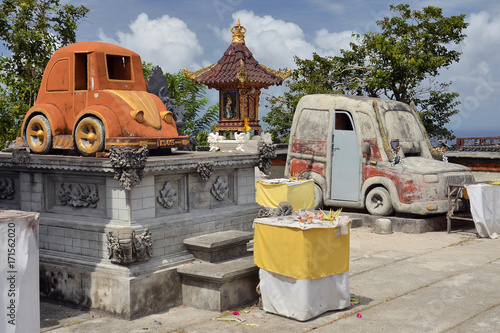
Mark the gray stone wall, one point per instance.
(79, 202)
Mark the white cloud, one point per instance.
(165, 41)
(275, 42)
(332, 42)
(476, 76)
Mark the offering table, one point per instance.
(304, 266)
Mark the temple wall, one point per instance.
(80, 202)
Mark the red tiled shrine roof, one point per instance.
(237, 67)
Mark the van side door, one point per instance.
(346, 166)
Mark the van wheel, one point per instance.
(318, 196)
(38, 135)
(378, 202)
(89, 136)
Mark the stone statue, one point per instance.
(125, 247)
(158, 85)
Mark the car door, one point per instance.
(346, 168)
(81, 83)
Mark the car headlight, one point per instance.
(137, 115)
(168, 116)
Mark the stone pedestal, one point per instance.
(19, 300)
(83, 211)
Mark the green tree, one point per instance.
(308, 78)
(399, 62)
(193, 96)
(31, 30)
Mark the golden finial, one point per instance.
(238, 33)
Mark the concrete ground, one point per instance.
(430, 282)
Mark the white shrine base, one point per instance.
(303, 299)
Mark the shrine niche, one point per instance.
(239, 78)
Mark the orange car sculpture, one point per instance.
(93, 96)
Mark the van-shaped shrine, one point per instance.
(372, 154)
(93, 96)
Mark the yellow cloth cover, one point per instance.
(301, 254)
(300, 195)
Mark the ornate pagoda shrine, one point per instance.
(238, 77)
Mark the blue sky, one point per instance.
(195, 33)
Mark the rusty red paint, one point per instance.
(309, 147)
(408, 191)
(374, 148)
(298, 166)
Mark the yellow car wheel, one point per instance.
(38, 135)
(89, 136)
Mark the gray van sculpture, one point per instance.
(371, 154)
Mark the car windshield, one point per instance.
(403, 126)
(119, 67)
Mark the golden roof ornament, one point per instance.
(238, 33)
(242, 76)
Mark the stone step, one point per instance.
(219, 246)
(219, 286)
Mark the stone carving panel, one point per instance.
(6, 189)
(220, 188)
(205, 170)
(129, 164)
(20, 157)
(168, 196)
(79, 195)
(125, 247)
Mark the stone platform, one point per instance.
(115, 249)
(225, 276)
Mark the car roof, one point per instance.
(346, 100)
(98, 47)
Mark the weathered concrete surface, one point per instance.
(219, 286)
(409, 224)
(430, 282)
(220, 245)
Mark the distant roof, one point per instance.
(237, 66)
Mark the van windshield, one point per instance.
(403, 126)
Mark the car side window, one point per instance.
(81, 71)
(343, 121)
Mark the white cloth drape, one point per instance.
(303, 299)
(485, 208)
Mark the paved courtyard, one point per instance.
(430, 282)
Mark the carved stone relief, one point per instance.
(20, 157)
(220, 188)
(6, 189)
(205, 170)
(266, 153)
(129, 164)
(125, 247)
(284, 208)
(168, 196)
(79, 195)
